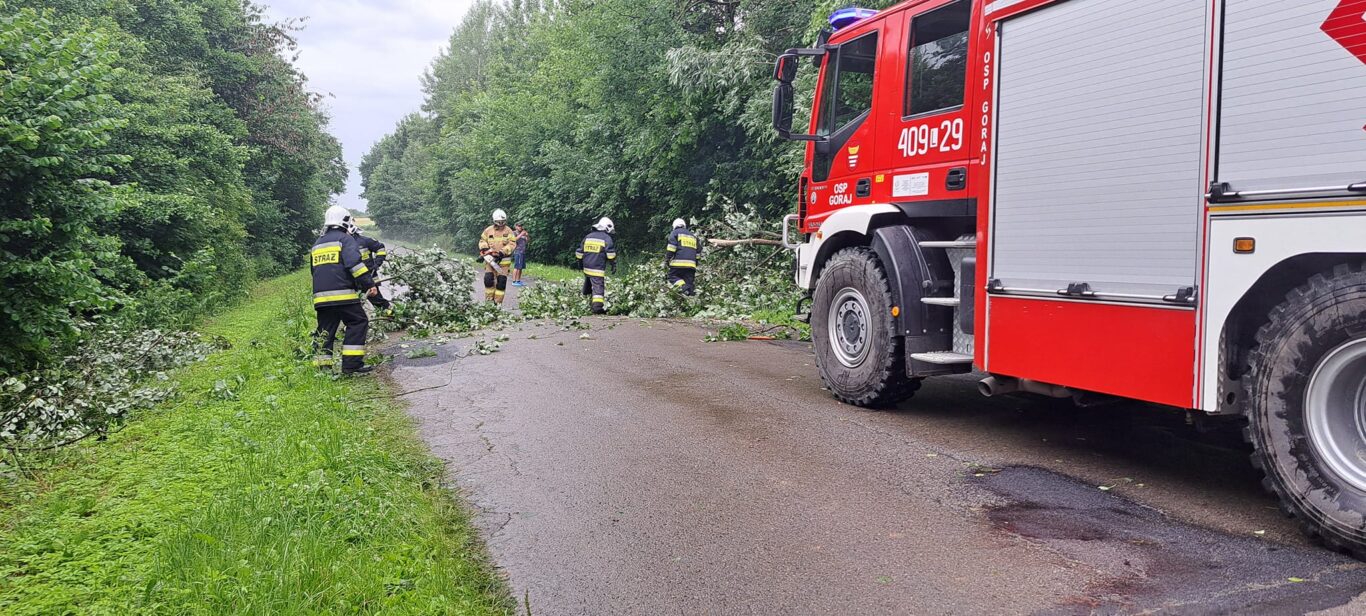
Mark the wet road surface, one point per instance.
(644, 471)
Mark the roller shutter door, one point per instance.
(1099, 147)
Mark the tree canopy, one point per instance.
(155, 156)
(560, 112)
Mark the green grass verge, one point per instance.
(265, 488)
(551, 273)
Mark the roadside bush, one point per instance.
(115, 373)
(56, 113)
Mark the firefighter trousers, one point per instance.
(495, 284)
(682, 278)
(595, 289)
(353, 343)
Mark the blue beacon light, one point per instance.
(843, 17)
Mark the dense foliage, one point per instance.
(155, 156)
(563, 111)
(436, 294)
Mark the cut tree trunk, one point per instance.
(753, 241)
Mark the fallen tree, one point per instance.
(753, 241)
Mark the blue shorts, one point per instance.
(519, 260)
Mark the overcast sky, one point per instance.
(369, 55)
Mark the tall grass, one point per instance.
(265, 488)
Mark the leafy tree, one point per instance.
(643, 110)
(56, 115)
(156, 156)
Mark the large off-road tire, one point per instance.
(857, 352)
(1307, 407)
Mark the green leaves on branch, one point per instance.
(153, 160)
(116, 373)
(438, 294)
(56, 113)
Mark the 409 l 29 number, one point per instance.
(926, 138)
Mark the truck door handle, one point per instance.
(863, 188)
(958, 178)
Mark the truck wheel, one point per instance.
(1307, 407)
(858, 356)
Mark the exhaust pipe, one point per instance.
(997, 386)
(992, 386)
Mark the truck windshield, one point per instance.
(848, 90)
(939, 59)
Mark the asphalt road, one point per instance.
(641, 470)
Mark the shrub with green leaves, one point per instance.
(56, 113)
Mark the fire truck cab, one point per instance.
(1160, 200)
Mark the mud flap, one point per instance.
(914, 273)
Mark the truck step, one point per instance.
(944, 358)
(949, 244)
(951, 302)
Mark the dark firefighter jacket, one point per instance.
(339, 273)
(596, 251)
(371, 251)
(684, 248)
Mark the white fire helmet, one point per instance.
(679, 223)
(605, 224)
(500, 216)
(336, 216)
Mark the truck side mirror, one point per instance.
(785, 70)
(783, 109)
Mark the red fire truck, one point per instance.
(1161, 200)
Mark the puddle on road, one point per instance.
(1147, 562)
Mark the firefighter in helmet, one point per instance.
(373, 252)
(597, 252)
(681, 256)
(496, 245)
(340, 278)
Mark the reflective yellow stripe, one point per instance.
(336, 298)
(1286, 206)
(673, 248)
(359, 270)
(594, 272)
(682, 264)
(353, 353)
(599, 298)
(611, 256)
(381, 253)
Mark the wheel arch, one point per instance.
(1237, 337)
(848, 227)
